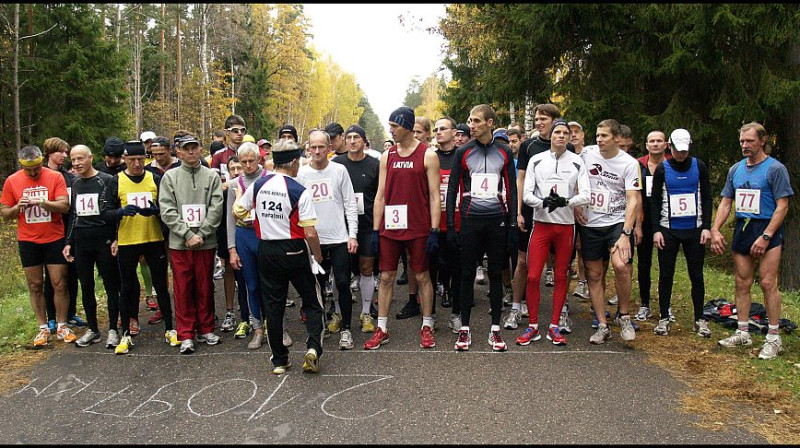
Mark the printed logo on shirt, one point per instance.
(403, 165)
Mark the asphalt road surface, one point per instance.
(399, 394)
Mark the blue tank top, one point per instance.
(755, 178)
(678, 183)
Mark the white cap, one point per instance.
(147, 135)
(680, 139)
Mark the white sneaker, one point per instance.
(581, 290)
(662, 328)
(601, 335)
(455, 323)
(549, 278)
(671, 316)
(508, 297)
(511, 322)
(113, 339)
(771, 348)
(187, 346)
(480, 278)
(523, 312)
(643, 314)
(740, 338)
(701, 328)
(565, 323)
(208, 338)
(346, 340)
(354, 284)
(626, 332)
(287, 340)
(614, 300)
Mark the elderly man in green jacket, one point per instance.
(191, 207)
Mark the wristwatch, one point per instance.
(627, 232)
(766, 236)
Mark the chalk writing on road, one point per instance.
(204, 398)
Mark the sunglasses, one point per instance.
(442, 129)
(237, 130)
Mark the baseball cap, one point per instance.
(147, 135)
(501, 134)
(186, 139)
(263, 141)
(133, 148)
(680, 139)
(575, 123)
(248, 138)
(334, 129)
(462, 128)
(287, 128)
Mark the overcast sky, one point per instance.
(368, 41)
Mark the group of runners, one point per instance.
(290, 215)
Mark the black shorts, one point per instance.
(747, 231)
(364, 237)
(596, 242)
(38, 254)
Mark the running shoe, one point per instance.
(41, 339)
(125, 344)
(171, 338)
(187, 347)
(626, 332)
(229, 322)
(65, 334)
(496, 341)
(426, 337)
(671, 316)
(740, 338)
(508, 296)
(311, 361)
(329, 288)
(287, 340)
(549, 278)
(155, 318)
(76, 321)
(410, 309)
(378, 338)
(455, 323)
(614, 300)
(662, 328)
(280, 370)
(354, 284)
(367, 325)
(447, 299)
(151, 303)
(523, 311)
(480, 277)
(242, 330)
(601, 335)
(565, 323)
(89, 338)
(701, 328)
(134, 327)
(335, 323)
(403, 279)
(439, 289)
(771, 347)
(113, 339)
(643, 314)
(208, 338)
(257, 341)
(581, 290)
(529, 335)
(346, 340)
(464, 340)
(554, 335)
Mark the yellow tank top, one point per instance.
(138, 229)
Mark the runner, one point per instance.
(37, 197)
(336, 133)
(483, 168)
(555, 182)
(682, 188)
(191, 207)
(607, 227)
(285, 221)
(364, 172)
(581, 289)
(139, 235)
(90, 240)
(760, 187)
(112, 162)
(335, 205)
(406, 217)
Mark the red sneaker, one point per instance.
(529, 336)
(426, 338)
(554, 335)
(156, 317)
(151, 303)
(378, 338)
(134, 326)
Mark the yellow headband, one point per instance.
(29, 163)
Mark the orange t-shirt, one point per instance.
(35, 224)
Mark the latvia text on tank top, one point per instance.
(407, 214)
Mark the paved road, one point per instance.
(577, 393)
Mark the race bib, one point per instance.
(321, 190)
(86, 204)
(140, 199)
(35, 214)
(396, 217)
(560, 188)
(648, 186)
(443, 195)
(682, 205)
(484, 185)
(598, 201)
(360, 203)
(194, 214)
(748, 201)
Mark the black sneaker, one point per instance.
(403, 279)
(447, 302)
(410, 310)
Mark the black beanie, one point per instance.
(358, 130)
(288, 128)
(133, 148)
(404, 116)
(113, 147)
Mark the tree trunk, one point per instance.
(15, 80)
(163, 51)
(511, 113)
(118, 25)
(179, 85)
(528, 115)
(30, 30)
(204, 66)
(137, 70)
(233, 86)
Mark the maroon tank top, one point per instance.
(406, 184)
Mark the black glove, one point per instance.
(432, 245)
(555, 201)
(150, 211)
(452, 238)
(128, 210)
(373, 243)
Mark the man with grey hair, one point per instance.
(288, 252)
(37, 198)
